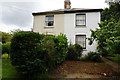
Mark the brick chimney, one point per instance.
(67, 4)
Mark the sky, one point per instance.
(17, 14)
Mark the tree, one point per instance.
(112, 12)
(108, 35)
(6, 37)
(112, 2)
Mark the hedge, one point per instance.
(37, 53)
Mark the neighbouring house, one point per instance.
(74, 22)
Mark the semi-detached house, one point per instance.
(74, 22)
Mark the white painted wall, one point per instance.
(70, 29)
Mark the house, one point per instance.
(74, 22)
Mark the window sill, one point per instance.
(81, 26)
(84, 49)
(49, 27)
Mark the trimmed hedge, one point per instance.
(37, 53)
(74, 52)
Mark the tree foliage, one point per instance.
(108, 35)
(112, 12)
(6, 37)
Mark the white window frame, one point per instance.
(47, 20)
(84, 43)
(80, 20)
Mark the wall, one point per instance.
(70, 29)
(39, 24)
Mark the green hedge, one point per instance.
(74, 52)
(37, 53)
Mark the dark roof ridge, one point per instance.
(73, 10)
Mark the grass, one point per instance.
(8, 71)
(115, 58)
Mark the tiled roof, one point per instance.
(63, 11)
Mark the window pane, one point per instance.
(81, 39)
(80, 19)
(50, 23)
(49, 20)
(80, 22)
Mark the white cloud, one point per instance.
(25, 17)
(9, 28)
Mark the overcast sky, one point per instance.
(18, 15)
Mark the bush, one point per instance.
(74, 52)
(37, 53)
(25, 51)
(56, 50)
(93, 56)
(6, 47)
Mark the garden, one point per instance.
(31, 55)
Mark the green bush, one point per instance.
(74, 52)
(93, 56)
(6, 47)
(25, 52)
(37, 53)
(56, 50)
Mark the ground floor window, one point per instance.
(81, 40)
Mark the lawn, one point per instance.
(8, 71)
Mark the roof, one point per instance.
(64, 11)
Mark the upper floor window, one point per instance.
(80, 19)
(49, 20)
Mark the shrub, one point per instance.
(74, 52)
(25, 52)
(37, 53)
(61, 47)
(93, 56)
(6, 47)
(56, 50)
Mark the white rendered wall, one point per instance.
(70, 29)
